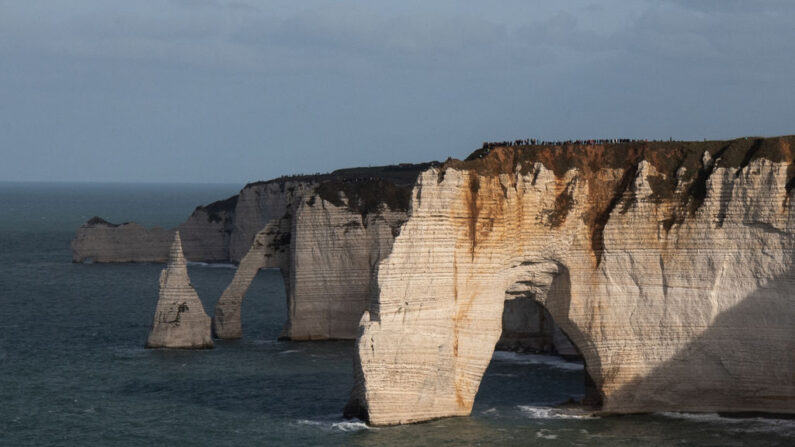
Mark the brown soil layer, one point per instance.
(607, 192)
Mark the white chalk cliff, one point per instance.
(671, 267)
(327, 254)
(180, 320)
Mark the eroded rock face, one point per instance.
(327, 255)
(670, 267)
(180, 320)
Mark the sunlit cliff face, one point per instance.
(657, 259)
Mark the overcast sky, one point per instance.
(236, 91)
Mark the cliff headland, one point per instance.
(668, 266)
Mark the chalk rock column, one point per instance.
(180, 320)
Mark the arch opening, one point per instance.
(535, 321)
(272, 282)
(264, 253)
(264, 307)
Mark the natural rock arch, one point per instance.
(647, 274)
(459, 354)
(269, 250)
(327, 255)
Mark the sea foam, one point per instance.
(336, 425)
(553, 413)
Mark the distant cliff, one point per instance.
(671, 266)
(224, 230)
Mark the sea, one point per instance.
(74, 371)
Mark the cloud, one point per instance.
(734, 6)
(392, 77)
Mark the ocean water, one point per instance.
(73, 370)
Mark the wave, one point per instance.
(290, 351)
(537, 359)
(212, 265)
(553, 413)
(545, 434)
(332, 425)
(350, 426)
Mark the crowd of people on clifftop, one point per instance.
(536, 142)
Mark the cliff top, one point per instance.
(608, 192)
(365, 188)
(403, 175)
(666, 156)
(97, 221)
(218, 210)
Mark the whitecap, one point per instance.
(537, 359)
(553, 413)
(347, 426)
(545, 434)
(308, 422)
(350, 426)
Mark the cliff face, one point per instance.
(180, 321)
(327, 255)
(669, 265)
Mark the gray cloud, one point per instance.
(104, 87)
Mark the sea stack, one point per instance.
(180, 321)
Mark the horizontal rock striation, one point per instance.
(180, 320)
(670, 266)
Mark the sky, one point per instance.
(243, 90)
